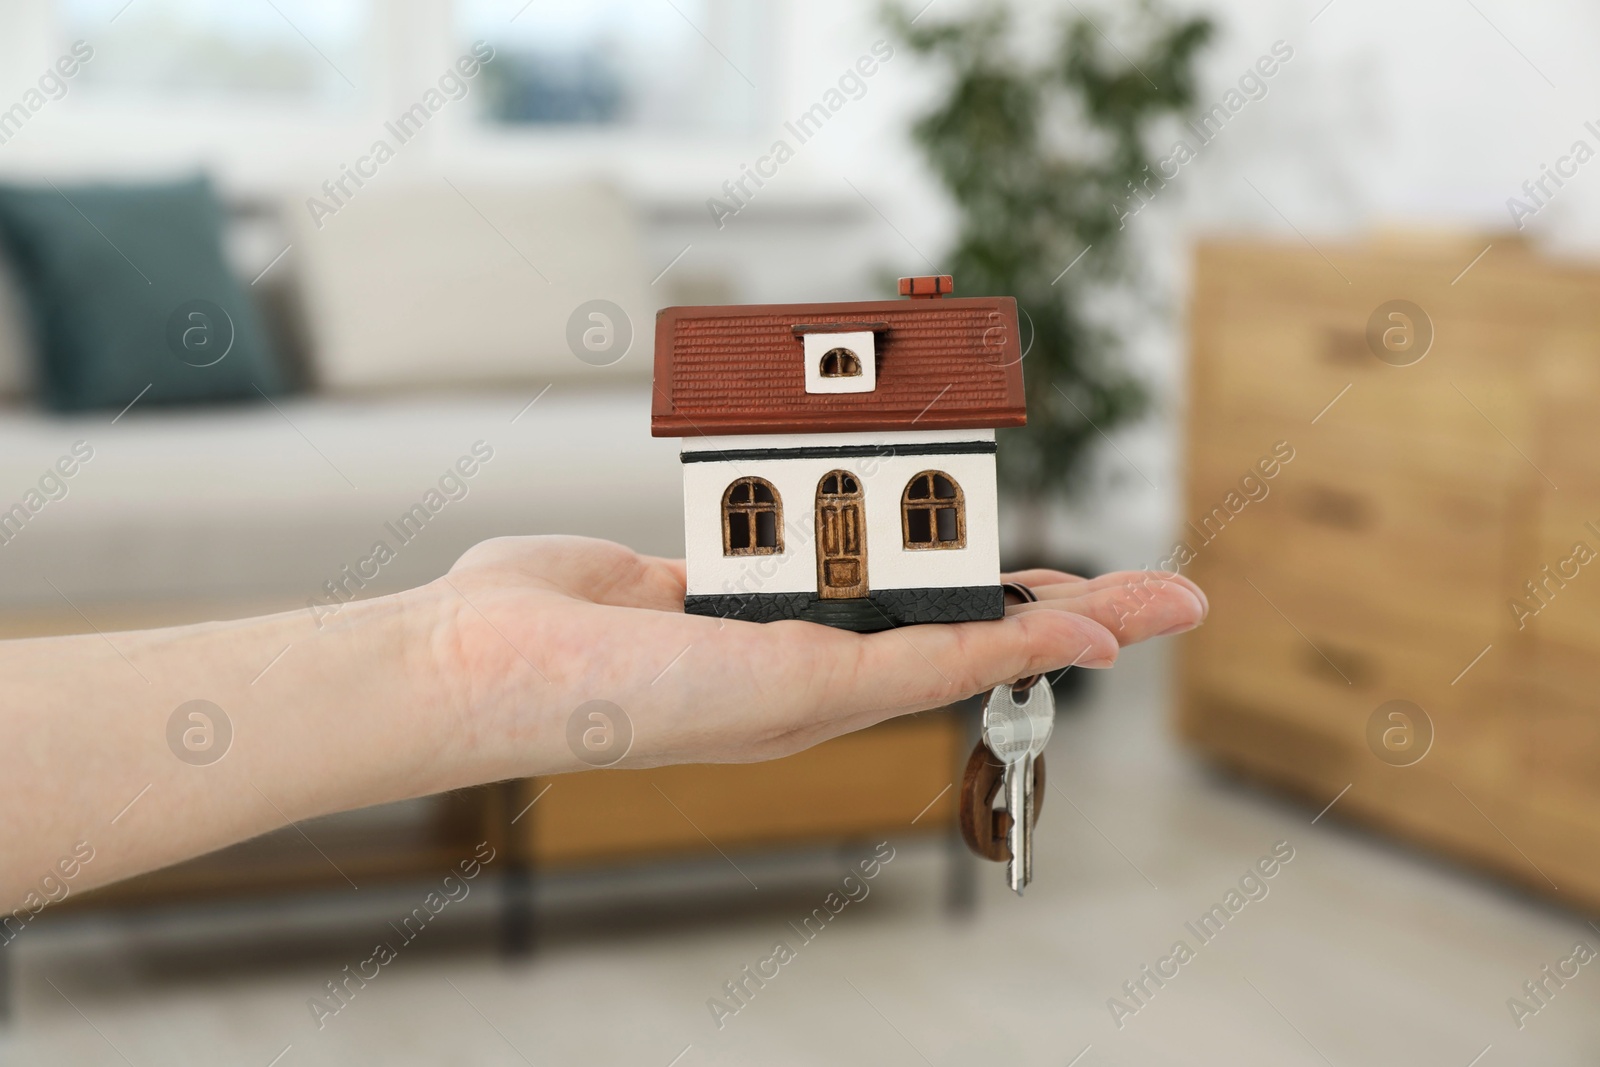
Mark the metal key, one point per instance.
(1016, 731)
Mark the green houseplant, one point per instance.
(1045, 151)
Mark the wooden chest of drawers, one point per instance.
(1385, 559)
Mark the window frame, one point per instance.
(751, 509)
(846, 363)
(932, 504)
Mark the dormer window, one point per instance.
(845, 361)
(840, 363)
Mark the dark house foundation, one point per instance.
(880, 609)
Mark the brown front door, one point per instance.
(841, 537)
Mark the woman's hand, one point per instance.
(537, 626)
(470, 679)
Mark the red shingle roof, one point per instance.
(942, 364)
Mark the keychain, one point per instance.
(1008, 763)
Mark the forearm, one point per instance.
(350, 713)
(473, 678)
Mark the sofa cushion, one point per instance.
(261, 506)
(454, 283)
(129, 294)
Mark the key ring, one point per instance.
(1024, 595)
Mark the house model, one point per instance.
(839, 459)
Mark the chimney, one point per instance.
(927, 287)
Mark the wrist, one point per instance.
(357, 710)
(501, 693)
(409, 645)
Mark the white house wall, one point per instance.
(883, 480)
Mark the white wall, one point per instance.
(889, 564)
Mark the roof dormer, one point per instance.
(842, 362)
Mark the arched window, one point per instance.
(840, 363)
(752, 519)
(933, 513)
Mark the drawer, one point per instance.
(1553, 732)
(1554, 836)
(1292, 361)
(1508, 284)
(1320, 659)
(1424, 541)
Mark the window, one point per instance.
(688, 65)
(840, 363)
(305, 51)
(933, 512)
(839, 484)
(752, 519)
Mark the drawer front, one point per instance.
(1444, 805)
(1420, 540)
(1305, 361)
(1324, 661)
(1549, 721)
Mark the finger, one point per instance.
(1132, 612)
(816, 682)
(1124, 579)
(1038, 576)
(659, 586)
(924, 666)
(679, 569)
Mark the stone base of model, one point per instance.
(880, 609)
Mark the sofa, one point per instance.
(415, 325)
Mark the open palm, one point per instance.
(542, 625)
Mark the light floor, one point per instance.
(1360, 954)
